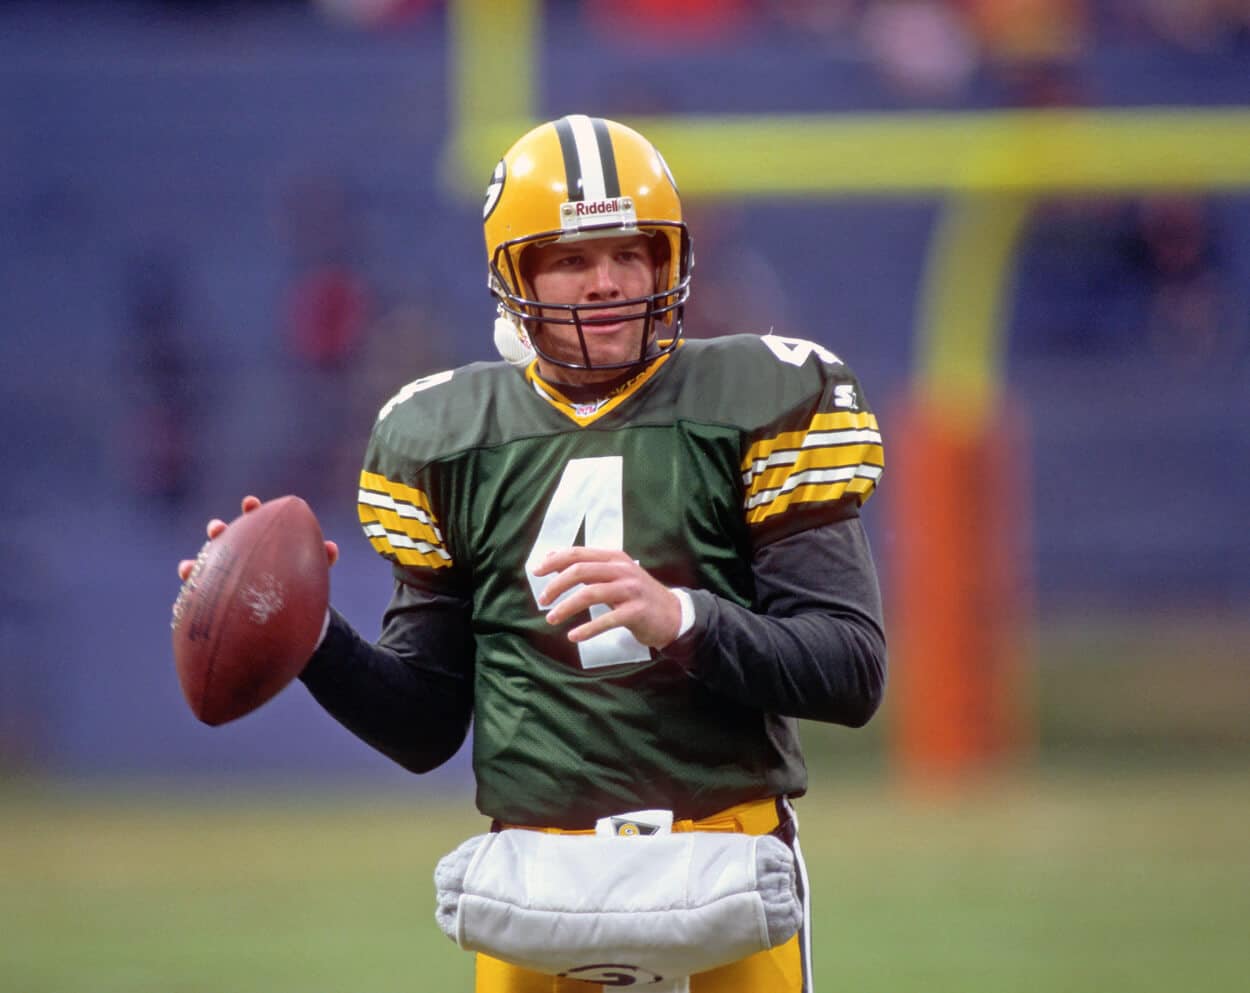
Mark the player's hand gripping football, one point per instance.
(252, 609)
(637, 601)
(216, 526)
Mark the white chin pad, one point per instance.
(511, 342)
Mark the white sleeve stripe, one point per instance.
(400, 507)
(833, 439)
(845, 437)
(371, 498)
(816, 439)
(397, 540)
(811, 477)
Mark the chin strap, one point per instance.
(511, 341)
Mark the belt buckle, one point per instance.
(635, 824)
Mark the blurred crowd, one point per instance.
(1130, 278)
(995, 29)
(928, 49)
(980, 30)
(932, 50)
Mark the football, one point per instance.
(248, 617)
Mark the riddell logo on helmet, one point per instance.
(584, 209)
(588, 215)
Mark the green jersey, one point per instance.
(706, 456)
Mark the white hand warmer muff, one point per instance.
(670, 904)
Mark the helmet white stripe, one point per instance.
(593, 185)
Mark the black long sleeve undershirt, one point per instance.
(816, 647)
(813, 648)
(410, 695)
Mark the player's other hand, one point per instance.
(216, 526)
(636, 600)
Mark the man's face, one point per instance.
(601, 270)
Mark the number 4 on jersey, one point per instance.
(589, 492)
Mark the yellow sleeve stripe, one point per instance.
(838, 453)
(835, 479)
(849, 440)
(401, 549)
(840, 420)
(399, 522)
(814, 486)
(398, 518)
(773, 472)
(372, 482)
(825, 430)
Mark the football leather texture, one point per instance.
(248, 617)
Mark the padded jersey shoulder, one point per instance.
(448, 412)
(752, 381)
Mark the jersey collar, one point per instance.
(586, 412)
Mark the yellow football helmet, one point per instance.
(575, 178)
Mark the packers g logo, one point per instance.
(613, 974)
(494, 190)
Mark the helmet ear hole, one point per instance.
(521, 262)
(662, 254)
(661, 251)
(525, 269)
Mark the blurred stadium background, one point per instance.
(230, 230)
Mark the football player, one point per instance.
(631, 560)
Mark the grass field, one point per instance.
(1101, 881)
(1117, 861)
